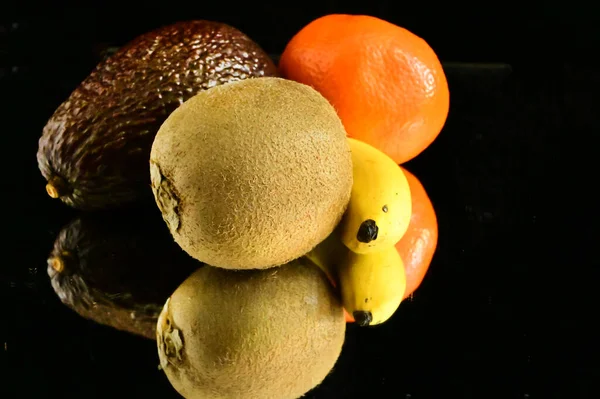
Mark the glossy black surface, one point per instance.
(509, 306)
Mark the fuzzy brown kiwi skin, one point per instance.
(94, 149)
(117, 269)
(279, 189)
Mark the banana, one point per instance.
(372, 285)
(380, 207)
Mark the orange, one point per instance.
(386, 83)
(417, 246)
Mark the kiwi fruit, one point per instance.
(252, 174)
(94, 149)
(251, 334)
(118, 269)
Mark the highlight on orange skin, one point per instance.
(417, 246)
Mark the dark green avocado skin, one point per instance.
(118, 269)
(95, 148)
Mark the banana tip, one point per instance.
(367, 231)
(362, 318)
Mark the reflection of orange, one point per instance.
(417, 246)
(331, 279)
(347, 316)
(386, 83)
(349, 319)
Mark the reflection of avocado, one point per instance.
(118, 270)
(94, 150)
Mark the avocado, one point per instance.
(95, 148)
(118, 269)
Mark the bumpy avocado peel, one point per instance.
(94, 150)
(117, 270)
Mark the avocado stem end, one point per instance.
(56, 187)
(51, 190)
(57, 264)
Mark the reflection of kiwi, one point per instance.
(117, 269)
(275, 156)
(272, 333)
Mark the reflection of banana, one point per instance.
(380, 206)
(372, 285)
(327, 256)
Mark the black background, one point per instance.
(508, 308)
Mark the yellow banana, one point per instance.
(372, 285)
(380, 207)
